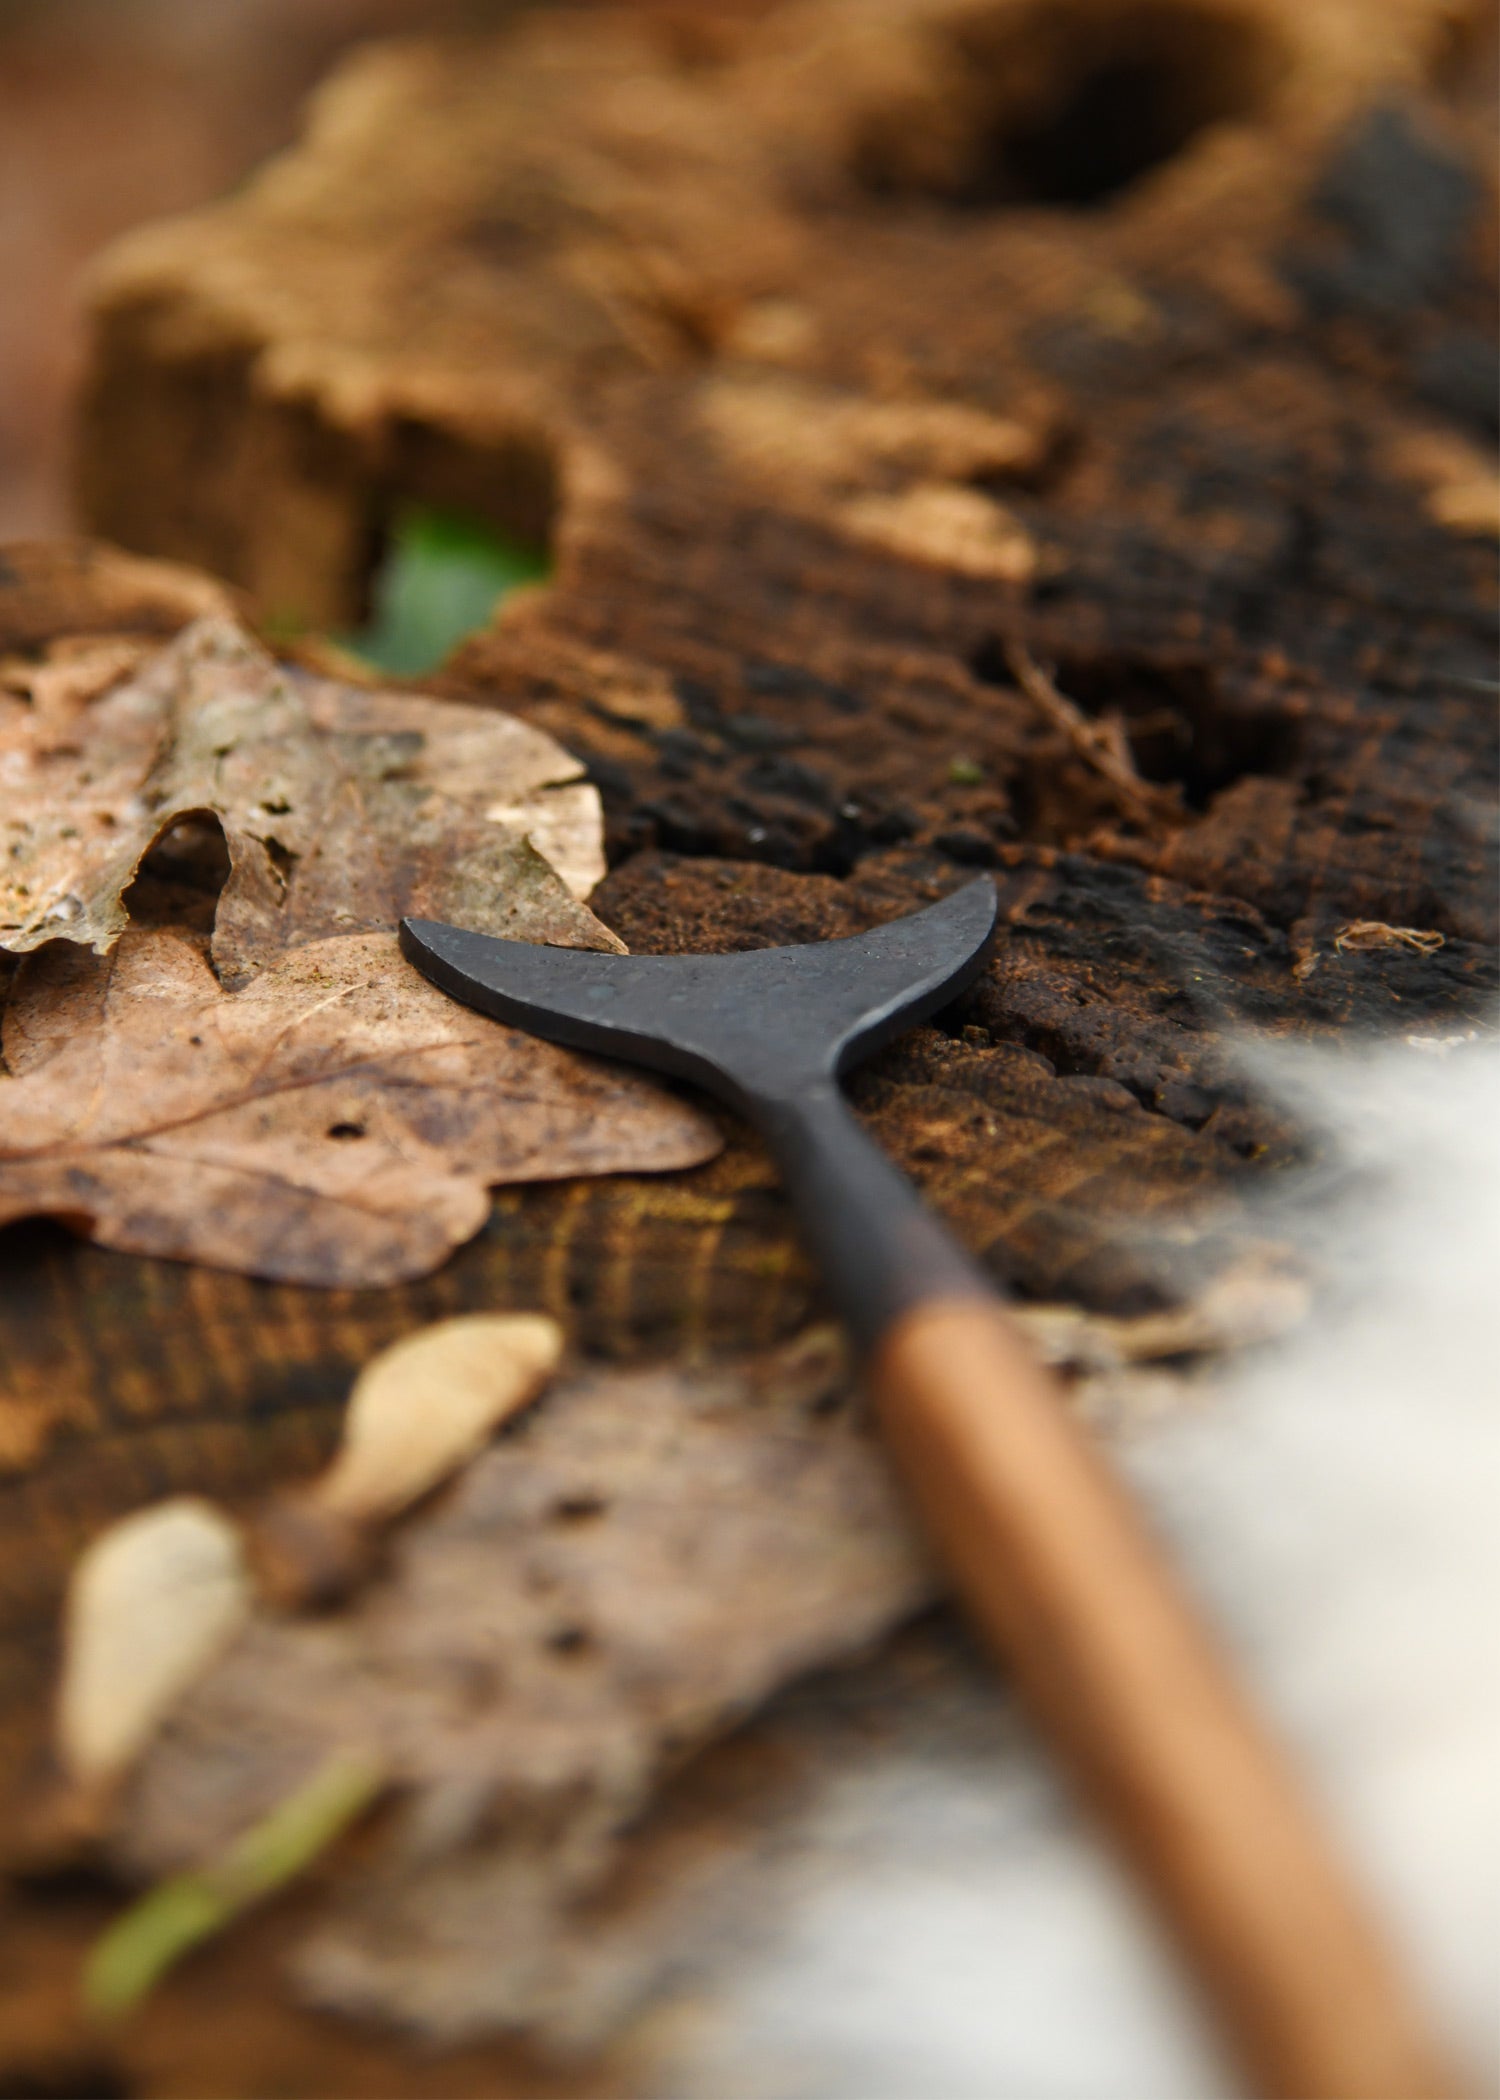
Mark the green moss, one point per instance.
(440, 580)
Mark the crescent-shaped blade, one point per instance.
(744, 1024)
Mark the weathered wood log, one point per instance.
(853, 366)
(848, 361)
(1050, 439)
(825, 400)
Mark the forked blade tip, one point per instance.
(426, 941)
(417, 933)
(975, 906)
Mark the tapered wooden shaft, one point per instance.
(1064, 1579)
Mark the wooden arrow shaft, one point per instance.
(1062, 1576)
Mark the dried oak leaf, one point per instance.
(640, 1562)
(341, 808)
(334, 1121)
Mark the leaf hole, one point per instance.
(578, 1509)
(282, 860)
(192, 852)
(180, 876)
(346, 1130)
(572, 1641)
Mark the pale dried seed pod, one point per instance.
(426, 1405)
(151, 1602)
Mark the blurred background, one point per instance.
(117, 111)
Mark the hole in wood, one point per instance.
(1178, 725)
(1068, 103)
(436, 578)
(453, 527)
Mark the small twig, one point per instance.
(1362, 934)
(179, 1913)
(1101, 745)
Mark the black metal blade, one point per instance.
(749, 1025)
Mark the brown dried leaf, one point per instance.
(334, 1121)
(341, 808)
(632, 1570)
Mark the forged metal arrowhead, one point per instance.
(770, 1030)
(750, 1026)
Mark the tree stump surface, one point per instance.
(1054, 440)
